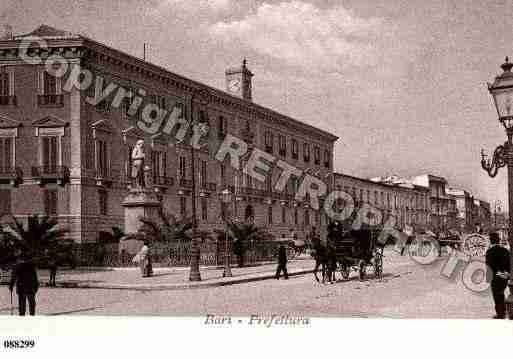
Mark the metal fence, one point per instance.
(212, 253)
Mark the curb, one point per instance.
(198, 285)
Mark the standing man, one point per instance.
(24, 275)
(282, 262)
(498, 262)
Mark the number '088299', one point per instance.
(19, 344)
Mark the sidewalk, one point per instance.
(170, 278)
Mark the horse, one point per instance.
(326, 259)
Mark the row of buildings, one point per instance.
(62, 156)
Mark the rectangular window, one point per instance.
(306, 152)
(102, 159)
(295, 149)
(223, 175)
(158, 166)
(183, 206)
(50, 202)
(182, 167)
(5, 202)
(296, 219)
(203, 173)
(317, 155)
(6, 154)
(204, 209)
(361, 195)
(283, 214)
(376, 200)
(326, 158)
(268, 140)
(222, 127)
(7, 87)
(49, 84)
(103, 199)
(270, 214)
(49, 153)
(249, 181)
(282, 141)
(4, 83)
(307, 217)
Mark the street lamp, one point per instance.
(226, 198)
(502, 93)
(194, 273)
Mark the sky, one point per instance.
(401, 82)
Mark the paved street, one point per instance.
(408, 290)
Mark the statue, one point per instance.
(138, 166)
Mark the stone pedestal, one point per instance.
(139, 203)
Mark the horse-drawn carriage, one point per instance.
(346, 251)
(358, 250)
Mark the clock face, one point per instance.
(234, 85)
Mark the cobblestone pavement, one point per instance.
(408, 290)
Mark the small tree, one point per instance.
(242, 234)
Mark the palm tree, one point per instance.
(242, 234)
(168, 229)
(43, 240)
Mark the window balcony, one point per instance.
(103, 177)
(51, 174)
(206, 188)
(184, 186)
(52, 100)
(8, 101)
(162, 183)
(11, 175)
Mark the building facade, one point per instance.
(443, 205)
(406, 203)
(464, 206)
(65, 157)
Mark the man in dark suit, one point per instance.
(24, 275)
(282, 262)
(498, 264)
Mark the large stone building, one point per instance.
(443, 206)
(65, 157)
(408, 204)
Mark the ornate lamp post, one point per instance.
(502, 93)
(194, 273)
(226, 198)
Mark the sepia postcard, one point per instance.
(303, 167)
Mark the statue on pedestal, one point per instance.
(138, 166)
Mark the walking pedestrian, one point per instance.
(498, 262)
(282, 262)
(24, 275)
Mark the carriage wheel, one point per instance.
(378, 266)
(344, 270)
(363, 269)
(475, 245)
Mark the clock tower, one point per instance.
(238, 81)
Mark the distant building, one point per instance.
(406, 202)
(443, 206)
(464, 205)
